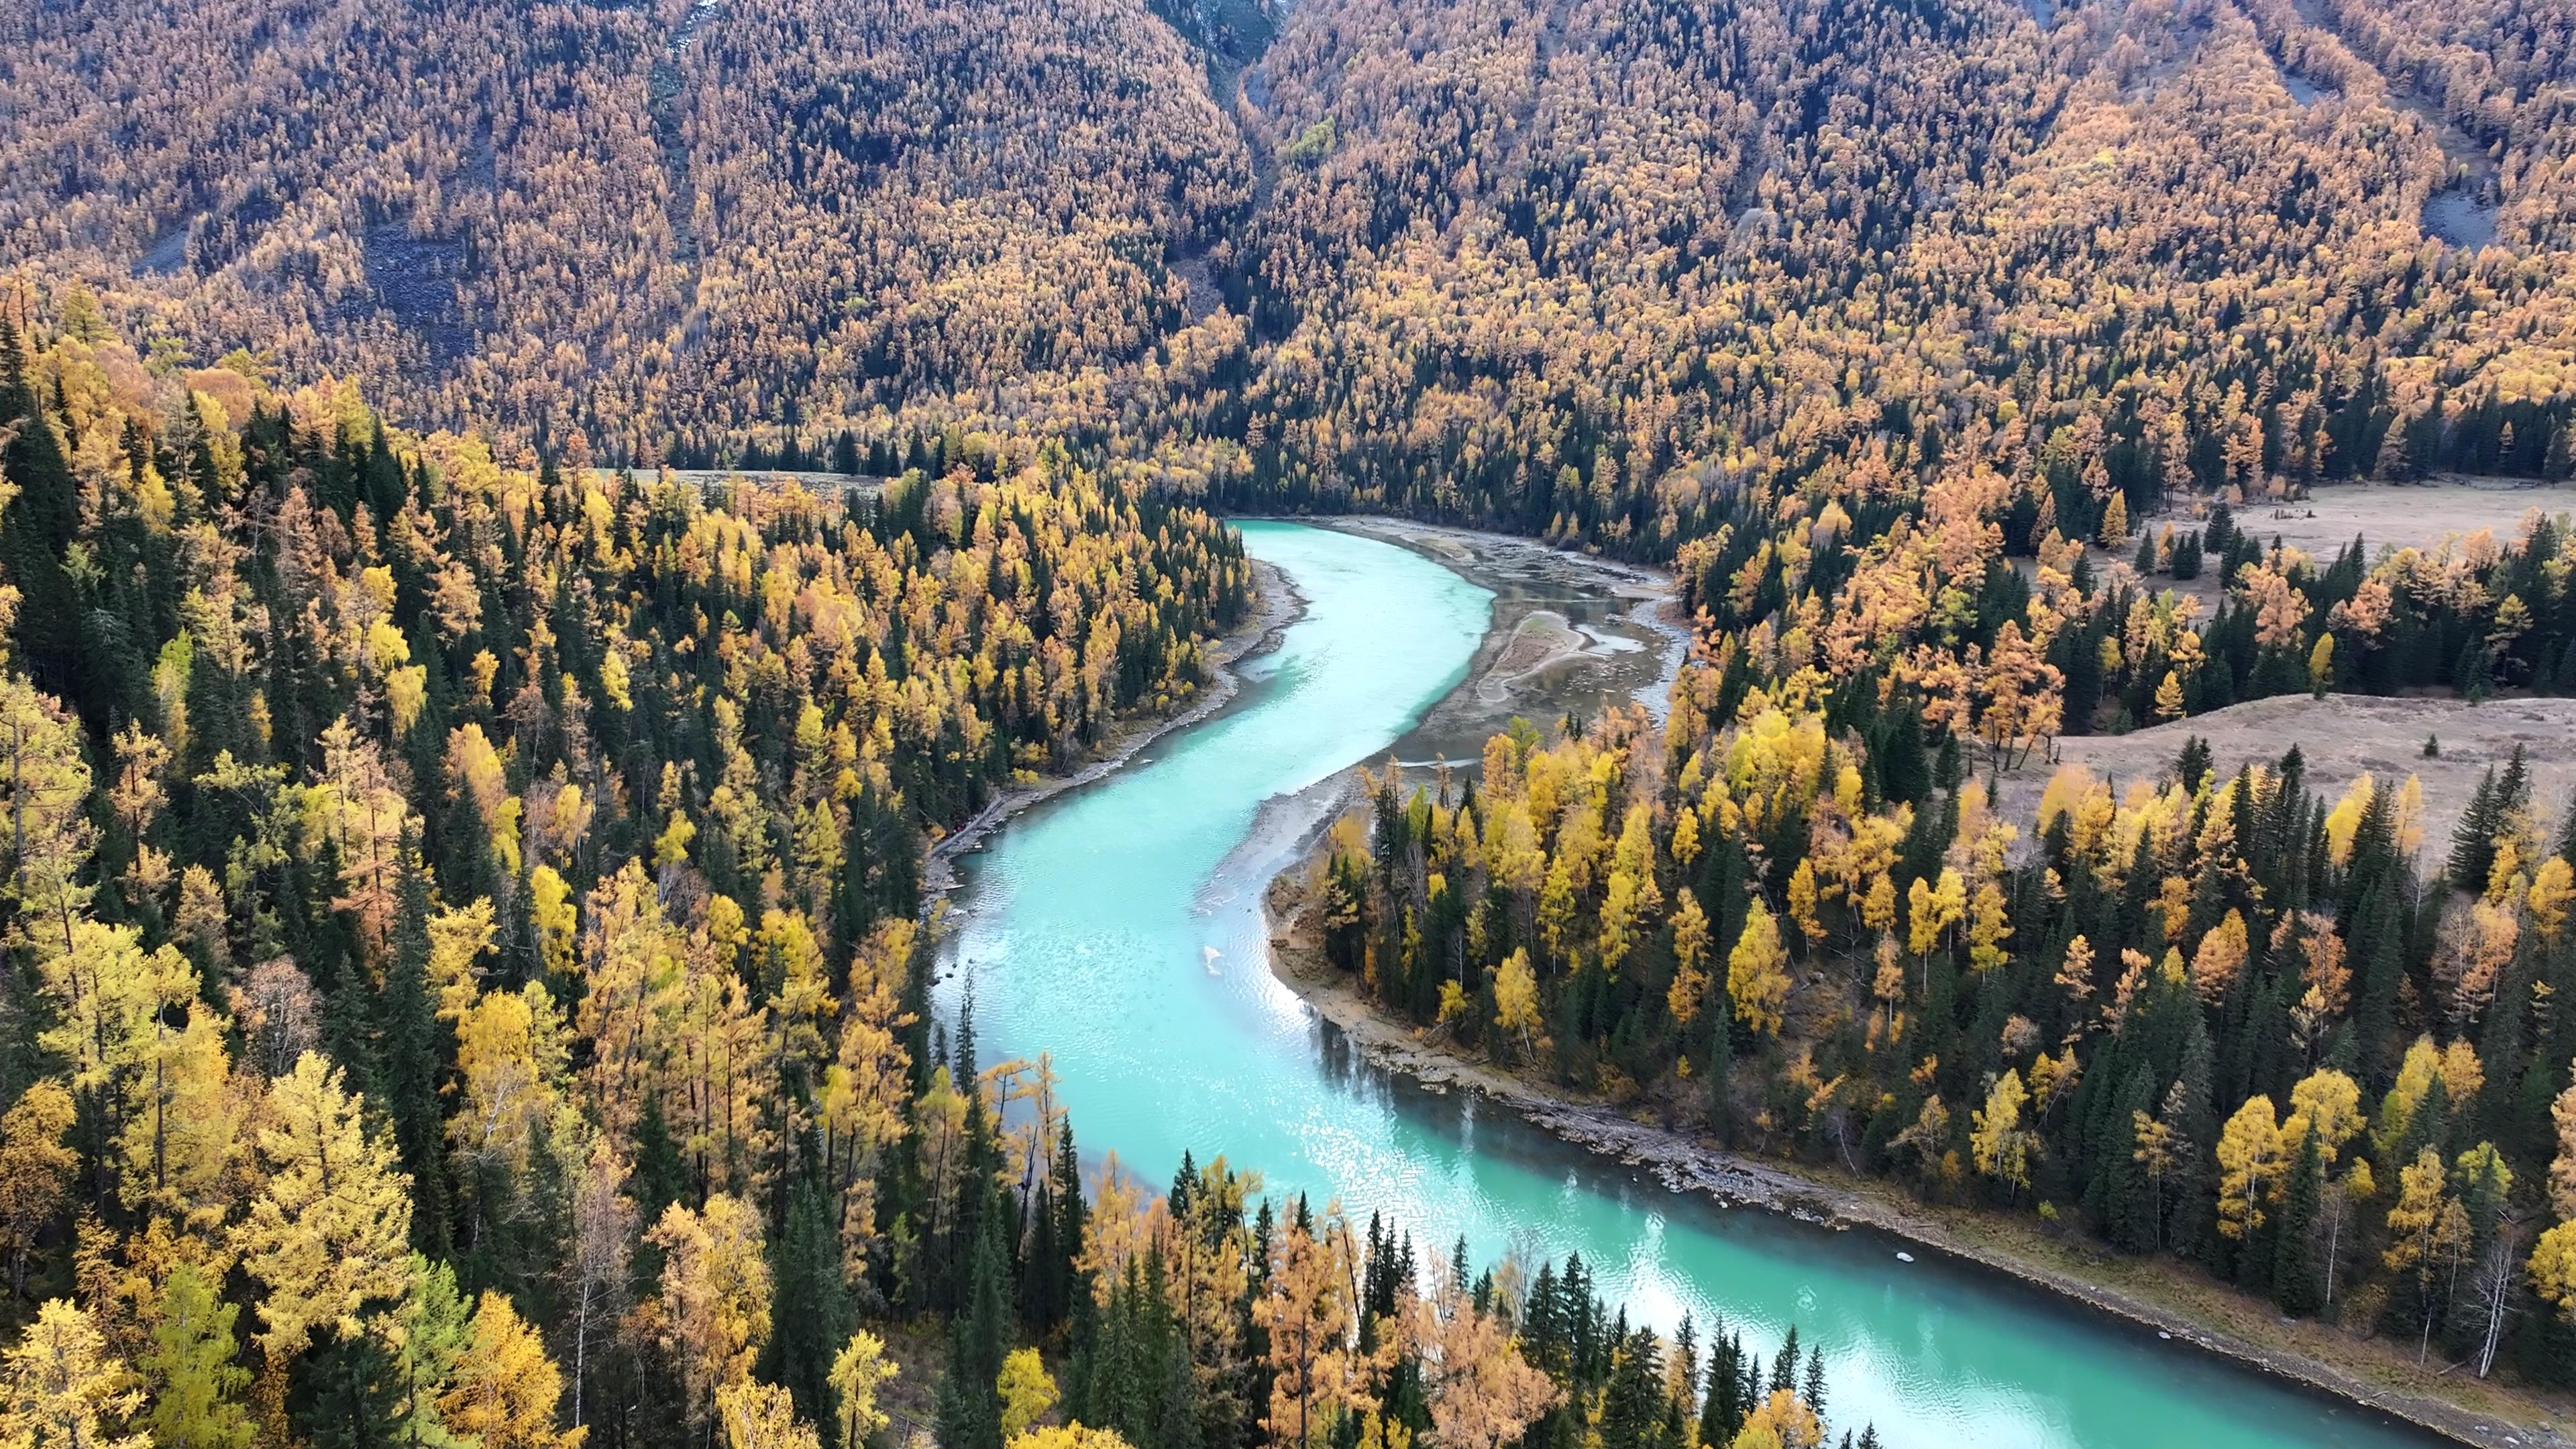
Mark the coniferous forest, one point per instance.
(465, 960)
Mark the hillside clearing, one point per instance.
(2342, 736)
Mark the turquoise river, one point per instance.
(1119, 927)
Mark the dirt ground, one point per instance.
(2340, 737)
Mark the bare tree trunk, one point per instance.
(2499, 1296)
(580, 1350)
(2334, 1240)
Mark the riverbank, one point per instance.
(1571, 634)
(2168, 1298)
(1277, 604)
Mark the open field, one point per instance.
(2383, 515)
(2396, 514)
(2341, 736)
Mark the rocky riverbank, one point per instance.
(1571, 634)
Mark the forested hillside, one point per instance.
(466, 982)
(1588, 267)
(646, 221)
(464, 955)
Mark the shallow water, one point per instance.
(1119, 927)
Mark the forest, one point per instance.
(1584, 270)
(467, 983)
(465, 949)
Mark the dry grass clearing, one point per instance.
(2382, 515)
(2400, 515)
(2342, 736)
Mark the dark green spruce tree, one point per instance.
(809, 1309)
(2294, 1266)
(970, 1398)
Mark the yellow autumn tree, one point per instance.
(860, 1372)
(329, 1233)
(35, 1171)
(1931, 909)
(45, 833)
(2562, 1167)
(112, 1002)
(2219, 959)
(506, 1388)
(1783, 1420)
(1690, 958)
(1802, 900)
(2553, 1269)
(1070, 1436)
(762, 1416)
(712, 1314)
(2553, 889)
(2169, 697)
(2249, 1167)
(511, 1058)
(1482, 1393)
(61, 1388)
(2330, 1102)
(1516, 998)
(2414, 1219)
(1026, 1390)
(1757, 971)
(1999, 1143)
(1988, 928)
(1317, 1371)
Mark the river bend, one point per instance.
(1118, 926)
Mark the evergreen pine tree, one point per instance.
(2294, 1273)
(2473, 839)
(36, 529)
(2220, 536)
(970, 1400)
(2190, 1109)
(1722, 1407)
(661, 1173)
(2513, 792)
(2193, 765)
(809, 1306)
(348, 1394)
(410, 1048)
(1632, 1404)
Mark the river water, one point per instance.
(1119, 927)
